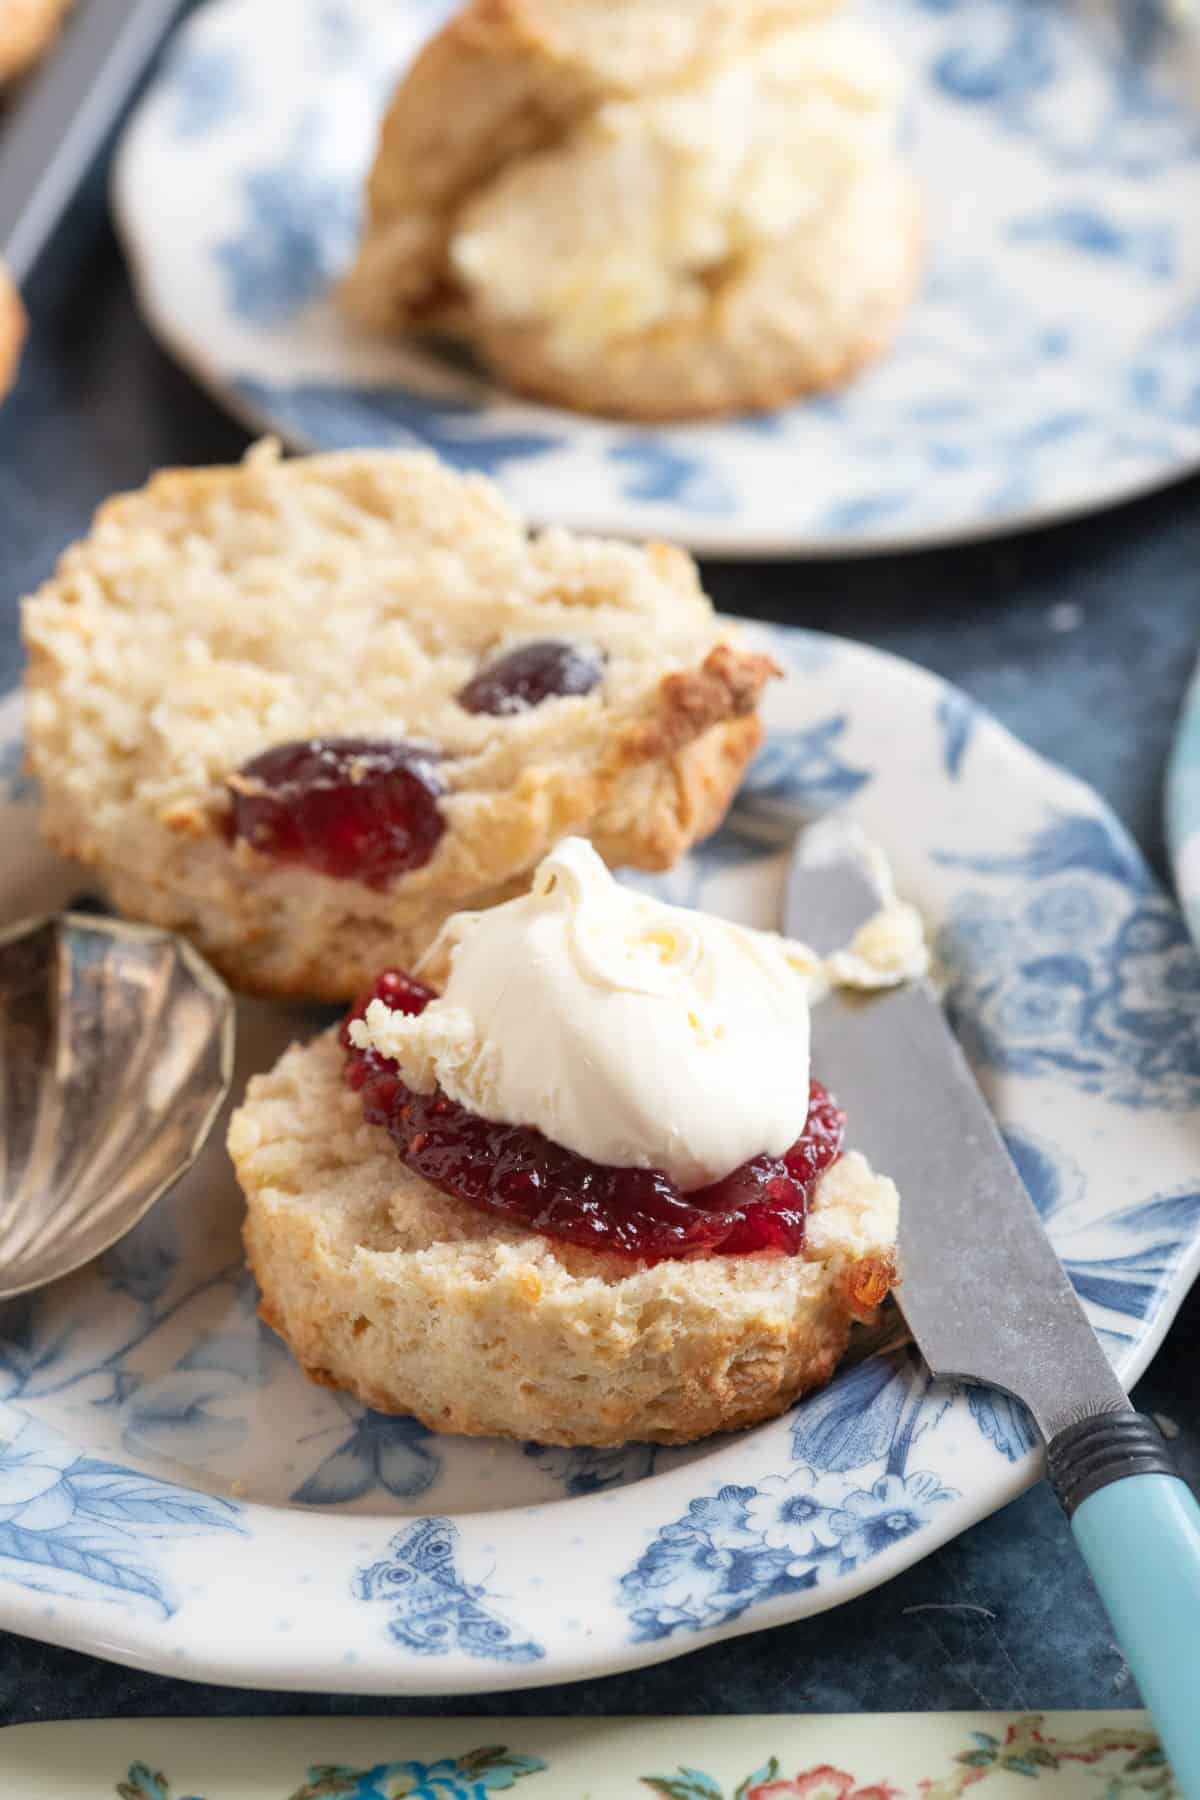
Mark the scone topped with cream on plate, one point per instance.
(572, 1180)
(657, 211)
(304, 710)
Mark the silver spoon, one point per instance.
(116, 1051)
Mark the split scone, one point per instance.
(655, 211)
(26, 27)
(303, 710)
(12, 331)
(578, 1189)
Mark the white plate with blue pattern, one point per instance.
(175, 1494)
(1048, 366)
(1183, 806)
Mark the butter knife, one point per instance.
(62, 112)
(988, 1301)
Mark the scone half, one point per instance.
(421, 1304)
(219, 613)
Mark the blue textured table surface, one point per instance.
(1080, 639)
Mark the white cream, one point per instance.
(618, 229)
(637, 1034)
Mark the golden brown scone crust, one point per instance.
(26, 27)
(420, 1304)
(12, 331)
(221, 611)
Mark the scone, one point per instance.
(26, 27)
(12, 331)
(580, 1189)
(303, 710)
(652, 211)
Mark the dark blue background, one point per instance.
(1005, 1616)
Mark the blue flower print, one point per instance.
(789, 1516)
(204, 81)
(709, 1567)
(1085, 972)
(872, 1520)
(797, 775)
(1150, 249)
(473, 1776)
(659, 471)
(300, 227)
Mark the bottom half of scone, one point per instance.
(421, 1304)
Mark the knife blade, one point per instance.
(919, 1117)
(62, 112)
(988, 1301)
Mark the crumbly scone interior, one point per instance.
(206, 620)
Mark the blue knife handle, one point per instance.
(1138, 1526)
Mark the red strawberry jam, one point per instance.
(514, 1171)
(531, 674)
(359, 809)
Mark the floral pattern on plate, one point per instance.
(438, 1564)
(1047, 366)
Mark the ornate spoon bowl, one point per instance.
(116, 1051)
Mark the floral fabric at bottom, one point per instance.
(919, 1756)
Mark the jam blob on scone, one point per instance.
(356, 809)
(515, 1171)
(549, 669)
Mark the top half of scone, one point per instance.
(305, 709)
(653, 210)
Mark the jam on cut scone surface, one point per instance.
(517, 1173)
(357, 809)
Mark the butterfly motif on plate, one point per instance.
(436, 1611)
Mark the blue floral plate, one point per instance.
(1049, 365)
(174, 1493)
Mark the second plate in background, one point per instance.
(1049, 365)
